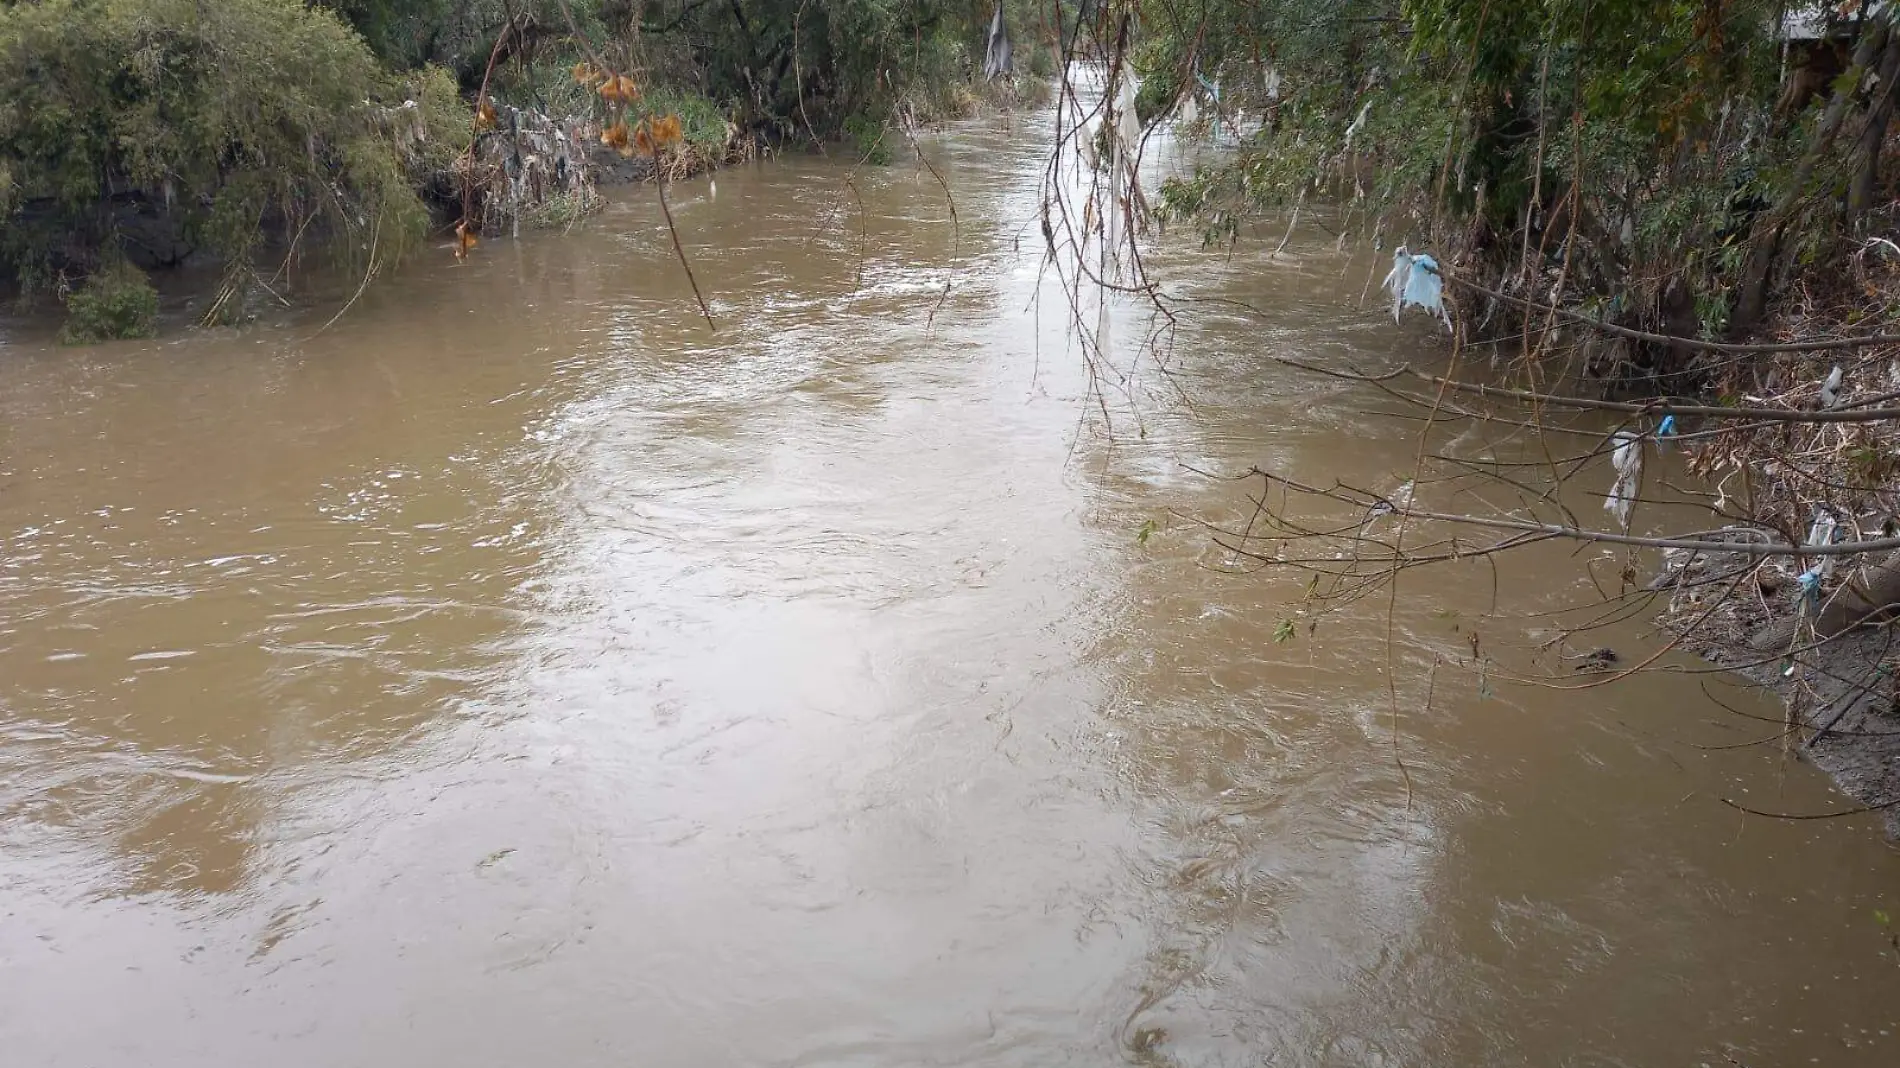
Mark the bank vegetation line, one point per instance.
(1672, 232)
(147, 135)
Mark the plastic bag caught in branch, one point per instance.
(1415, 282)
(1831, 388)
(1127, 123)
(1628, 462)
(1820, 533)
(998, 52)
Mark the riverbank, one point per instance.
(1684, 218)
(150, 135)
(1815, 631)
(1832, 670)
(1792, 449)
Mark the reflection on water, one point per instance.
(518, 673)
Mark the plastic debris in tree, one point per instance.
(1415, 282)
(1085, 147)
(1121, 196)
(1358, 124)
(1831, 389)
(998, 53)
(1820, 532)
(1627, 459)
(1664, 431)
(1127, 122)
(1212, 89)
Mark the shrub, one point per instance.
(117, 302)
(868, 137)
(208, 125)
(704, 129)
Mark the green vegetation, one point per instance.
(790, 68)
(1692, 200)
(1662, 164)
(158, 132)
(869, 139)
(118, 301)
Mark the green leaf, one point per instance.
(1147, 531)
(1283, 632)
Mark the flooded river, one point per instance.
(519, 673)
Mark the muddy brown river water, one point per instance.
(518, 673)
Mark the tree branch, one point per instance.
(1818, 345)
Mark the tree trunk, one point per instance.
(1860, 195)
(1753, 298)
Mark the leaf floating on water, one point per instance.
(1284, 632)
(1147, 531)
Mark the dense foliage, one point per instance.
(1662, 163)
(784, 67)
(118, 301)
(147, 133)
(792, 64)
(157, 129)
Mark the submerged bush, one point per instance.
(704, 128)
(116, 302)
(868, 138)
(156, 129)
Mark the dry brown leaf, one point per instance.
(618, 88)
(666, 130)
(465, 239)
